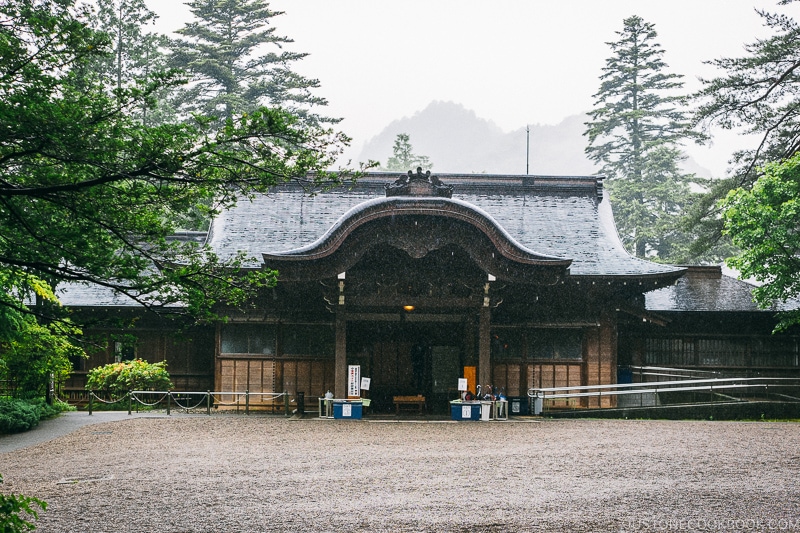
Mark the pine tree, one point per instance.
(89, 193)
(635, 134)
(237, 63)
(124, 22)
(404, 158)
(136, 59)
(757, 94)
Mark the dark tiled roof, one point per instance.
(707, 289)
(90, 295)
(563, 217)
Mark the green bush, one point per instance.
(18, 415)
(47, 411)
(118, 378)
(15, 511)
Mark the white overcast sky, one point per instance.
(514, 62)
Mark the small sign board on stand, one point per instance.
(353, 381)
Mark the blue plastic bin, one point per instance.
(465, 410)
(347, 410)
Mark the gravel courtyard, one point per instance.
(260, 473)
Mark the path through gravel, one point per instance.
(259, 473)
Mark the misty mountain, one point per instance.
(457, 140)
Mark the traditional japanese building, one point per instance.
(510, 281)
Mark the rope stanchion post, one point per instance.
(286, 404)
(247, 402)
(169, 398)
(208, 402)
(91, 401)
(130, 399)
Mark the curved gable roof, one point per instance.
(556, 217)
(419, 225)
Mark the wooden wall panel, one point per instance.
(530, 380)
(290, 377)
(592, 351)
(608, 359)
(150, 346)
(547, 376)
(561, 376)
(508, 376)
(574, 376)
(304, 378)
(318, 385)
(512, 385)
(240, 375)
(500, 375)
(313, 377)
(226, 377)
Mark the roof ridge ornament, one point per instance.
(419, 184)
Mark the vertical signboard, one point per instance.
(353, 381)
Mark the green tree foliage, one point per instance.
(758, 94)
(635, 133)
(124, 21)
(17, 511)
(237, 62)
(119, 378)
(763, 221)
(88, 193)
(404, 158)
(30, 352)
(134, 56)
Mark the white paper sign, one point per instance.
(347, 410)
(462, 384)
(353, 381)
(365, 383)
(466, 412)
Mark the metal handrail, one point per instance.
(657, 384)
(655, 387)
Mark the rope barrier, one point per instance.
(95, 396)
(207, 399)
(139, 400)
(186, 407)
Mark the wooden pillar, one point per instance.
(340, 363)
(340, 366)
(601, 358)
(608, 355)
(484, 347)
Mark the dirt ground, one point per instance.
(261, 473)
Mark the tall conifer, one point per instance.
(238, 62)
(636, 129)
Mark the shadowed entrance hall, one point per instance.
(408, 358)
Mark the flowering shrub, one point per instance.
(119, 378)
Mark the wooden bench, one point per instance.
(415, 402)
